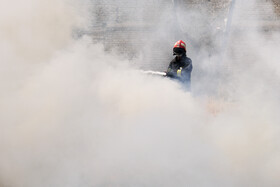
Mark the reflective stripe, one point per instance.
(179, 71)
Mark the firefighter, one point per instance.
(180, 67)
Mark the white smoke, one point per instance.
(74, 115)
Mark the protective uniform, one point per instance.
(180, 67)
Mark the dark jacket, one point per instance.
(181, 70)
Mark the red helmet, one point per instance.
(180, 44)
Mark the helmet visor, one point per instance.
(178, 51)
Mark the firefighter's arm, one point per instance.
(170, 72)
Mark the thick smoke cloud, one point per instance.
(74, 115)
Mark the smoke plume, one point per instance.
(74, 114)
